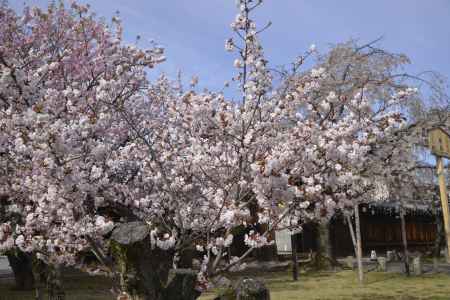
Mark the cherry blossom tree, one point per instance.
(100, 159)
(153, 179)
(354, 116)
(55, 66)
(389, 171)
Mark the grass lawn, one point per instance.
(324, 286)
(344, 286)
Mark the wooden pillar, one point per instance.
(444, 201)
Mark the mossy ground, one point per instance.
(313, 286)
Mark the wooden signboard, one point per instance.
(439, 142)
(283, 241)
(287, 245)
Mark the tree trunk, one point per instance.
(358, 244)
(21, 266)
(144, 274)
(54, 281)
(324, 257)
(138, 272)
(324, 243)
(182, 287)
(39, 269)
(405, 242)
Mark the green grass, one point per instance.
(344, 286)
(313, 286)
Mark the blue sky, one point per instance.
(194, 31)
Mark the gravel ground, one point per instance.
(392, 267)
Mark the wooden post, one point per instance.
(444, 201)
(294, 257)
(358, 245)
(439, 239)
(439, 143)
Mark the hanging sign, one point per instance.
(283, 241)
(439, 142)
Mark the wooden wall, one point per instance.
(385, 231)
(382, 232)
